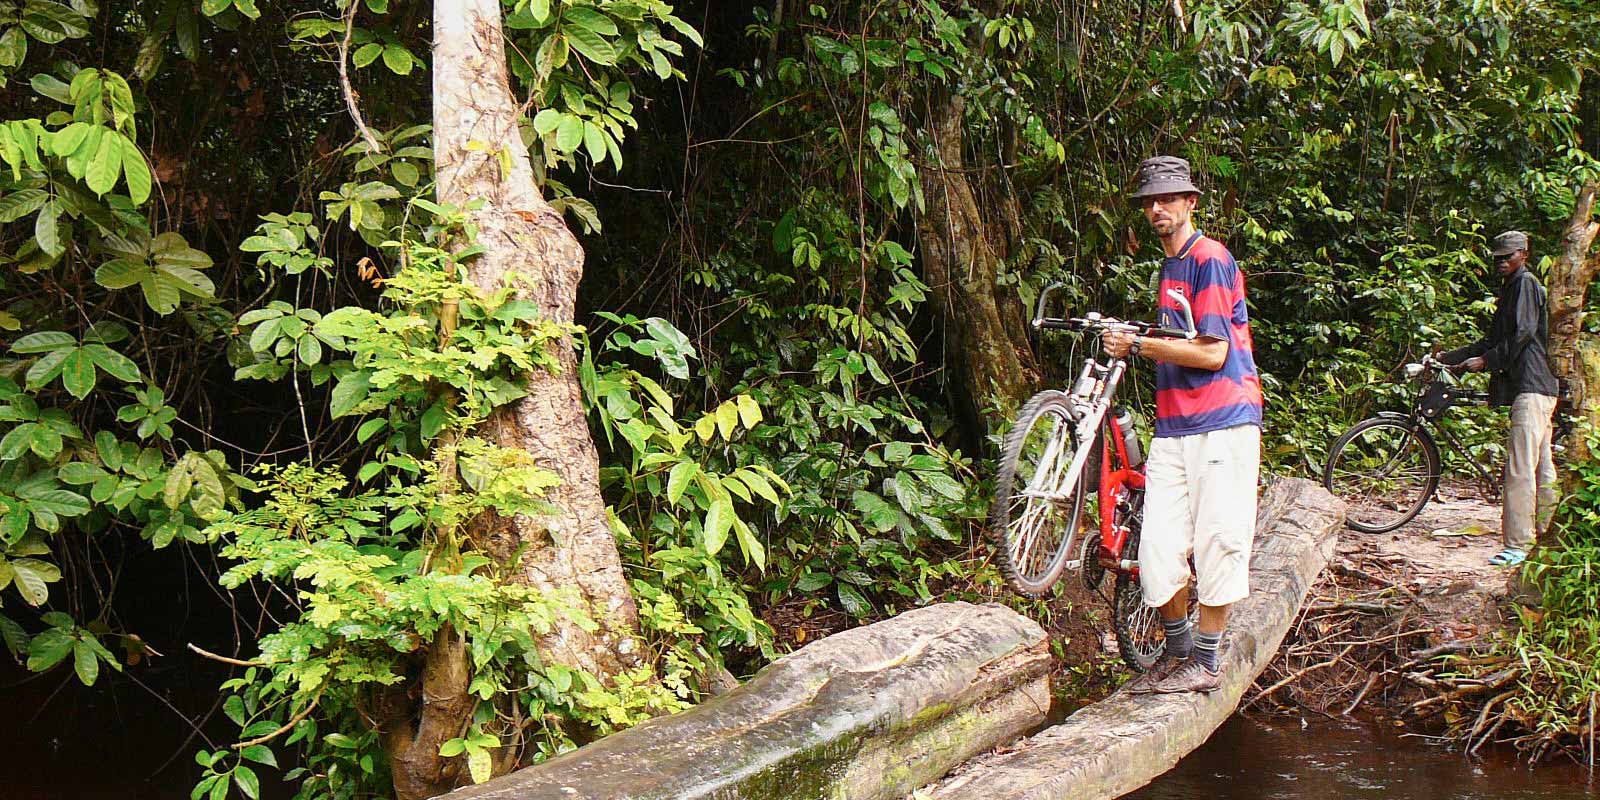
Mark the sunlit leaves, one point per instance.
(165, 268)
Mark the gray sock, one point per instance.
(1205, 649)
(1179, 642)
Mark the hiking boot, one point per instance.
(1144, 682)
(1192, 676)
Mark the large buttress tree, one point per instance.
(482, 164)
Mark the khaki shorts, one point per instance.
(1200, 498)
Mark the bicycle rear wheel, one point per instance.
(1386, 470)
(1036, 509)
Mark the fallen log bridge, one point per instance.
(879, 711)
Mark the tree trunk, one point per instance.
(1568, 287)
(570, 552)
(989, 360)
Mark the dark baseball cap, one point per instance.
(1508, 243)
(1163, 175)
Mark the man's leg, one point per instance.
(1225, 465)
(1548, 496)
(1522, 464)
(1164, 545)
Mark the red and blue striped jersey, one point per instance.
(1190, 400)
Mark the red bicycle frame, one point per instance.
(1113, 537)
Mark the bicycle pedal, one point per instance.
(1074, 563)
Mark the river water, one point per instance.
(1285, 758)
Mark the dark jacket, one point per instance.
(1515, 350)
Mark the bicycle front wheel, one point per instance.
(1386, 470)
(1037, 505)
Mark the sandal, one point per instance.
(1508, 557)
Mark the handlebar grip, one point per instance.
(1171, 333)
(1055, 324)
(1044, 298)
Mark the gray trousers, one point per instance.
(1530, 487)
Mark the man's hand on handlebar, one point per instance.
(1117, 343)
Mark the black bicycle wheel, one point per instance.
(1386, 470)
(1035, 516)
(1140, 637)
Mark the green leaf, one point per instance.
(591, 19)
(480, 765)
(678, 479)
(85, 663)
(349, 392)
(594, 140)
(453, 748)
(48, 649)
(52, 87)
(120, 273)
(160, 293)
(16, 441)
(370, 428)
(13, 47)
(135, 171)
(540, 9)
(106, 164)
(114, 363)
(176, 489)
(717, 524)
(43, 342)
(77, 374)
(46, 230)
(853, 601)
(58, 501)
(750, 545)
(405, 172)
(543, 122)
(685, 29)
(366, 54)
(32, 579)
(569, 134)
(21, 203)
(749, 410)
(45, 442)
(397, 59)
(247, 780)
(260, 754)
(590, 45)
(47, 367)
(727, 419)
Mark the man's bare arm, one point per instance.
(1201, 353)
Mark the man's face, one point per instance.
(1505, 265)
(1168, 213)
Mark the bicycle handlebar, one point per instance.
(1094, 321)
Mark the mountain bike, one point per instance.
(1063, 448)
(1387, 467)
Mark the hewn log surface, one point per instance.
(869, 713)
(1121, 743)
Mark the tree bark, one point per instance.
(984, 342)
(569, 553)
(1568, 287)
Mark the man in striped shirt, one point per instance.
(1200, 495)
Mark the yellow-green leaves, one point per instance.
(99, 155)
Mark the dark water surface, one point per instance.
(1278, 759)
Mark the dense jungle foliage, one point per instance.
(244, 374)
